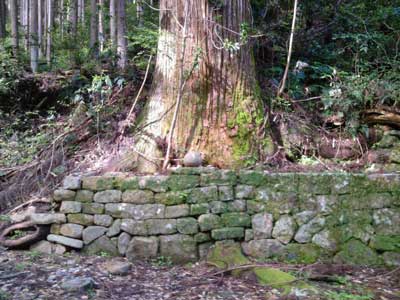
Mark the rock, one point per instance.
(74, 284)
(203, 195)
(155, 183)
(264, 248)
(71, 230)
(55, 228)
(109, 196)
(387, 221)
(326, 240)
(97, 183)
(82, 219)
(253, 178)
(307, 231)
(20, 216)
(304, 217)
(44, 247)
(119, 210)
(199, 209)
(102, 245)
(176, 211)
(117, 267)
(326, 203)
(193, 159)
(70, 207)
(209, 221)
(226, 255)
(274, 278)
(355, 252)
(161, 226)
(69, 242)
(123, 243)
(115, 228)
(391, 259)
(236, 206)
(142, 248)
(148, 211)
(91, 233)
(202, 237)
(301, 253)
(138, 197)
(218, 207)
(204, 249)
(244, 191)
(72, 182)
(180, 248)
(284, 229)
(84, 196)
(59, 249)
(171, 198)
(225, 193)
(134, 227)
(227, 233)
(254, 207)
(262, 224)
(45, 219)
(93, 208)
(187, 225)
(218, 177)
(103, 220)
(248, 235)
(385, 243)
(61, 195)
(236, 219)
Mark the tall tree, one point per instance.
(121, 32)
(3, 15)
(73, 17)
(113, 22)
(101, 25)
(14, 27)
(34, 45)
(204, 86)
(50, 22)
(94, 27)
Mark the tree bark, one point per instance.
(50, 22)
(34, 46)
(221, 109)
(113, 23)
(94, 28)
(73, 17)
(101, 37)
(3, 16)
(121, 32)
(14, 27)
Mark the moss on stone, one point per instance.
(172, 198)
(274, 278)
(182, 182)
(236, 219)
(301, 253)
(385, 243)
(225, 255)
(355, 252)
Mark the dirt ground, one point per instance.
(26, 275)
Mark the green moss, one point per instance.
(301, 253)
(385, 243)
(227, 255)
(355, 252)
(172, 198)
(236, 219)
(183, 182)
(274, 278)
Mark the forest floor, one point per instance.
(26, 275)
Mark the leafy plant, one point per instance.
(162, 261)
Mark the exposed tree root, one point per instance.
(26, 240)
(382, 116)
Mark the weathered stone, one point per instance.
(326, 240)
(236, 206)
(262, 224)
(282, 182)
(202, 237)
(123, 243)
(55, 228)
(138, 197)
(156, 183)
(130, 183)
(192, 171)
(59, 249)
(71, 230)
(115, 228)
(148, 211)
(66, 241)
(316, 184)
(236, 220)
(204, 249)
(74, 284)
(182, 182)
(307, 231)
(203, 195)
(103, 220)
(227, 254)
(97, 183)
(284, 229)
(92, 208)
(161, 226)
(377, 201)
(264, 248)
(199, 209)
(187, 225)
(119, 210)
(209, 221)
(326, 203)
(304, 217)
(44, 247)
(218, 207)
(386, 243)
(227, 233)
(176, 211)
(91, 233)
(244, 191)
(82, 219)
(248, 235)
(359, 231)
(356, 253)
(301, 253)
(254, 207)
(142, 248)
(117, 267)
(180, 248)
(134, 227)
(387, 221)
(218, 177)
(276, 278)
(192, 159)
(61, 195)
(101, 245)
(109, 196)
(84, 196)
(44, 219)
(225, 193)
(277, 202)
(253, 178)
(70, 207)
(72, 182)
(391, 259)
(172, 198)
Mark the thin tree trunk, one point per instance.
(40, 27)
(50, 21)
(73, 17)
(34, 35)
(139, 12)
(101, 25)
(94, 29)
(2, 19)
(62, 18)
(113, 23)
(122, 43)
(220, 110)
(14, 27)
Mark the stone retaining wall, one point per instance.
(299, 217)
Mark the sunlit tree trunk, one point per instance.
(113, 22)
(40, 27)
(121, 32)
(14, 27)
(220, 110)
(101, 25)
(94, 27)
(73, 17)
(81, 11)
(34, 46)
(50, 22)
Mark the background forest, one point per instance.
(75, 76)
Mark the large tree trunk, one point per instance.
(220, 110)
(34, 43)
(101, 36)
(14, 27)
(94, 28)
(122, 43)
(113, 23)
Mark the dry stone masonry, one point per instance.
(302, 218)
